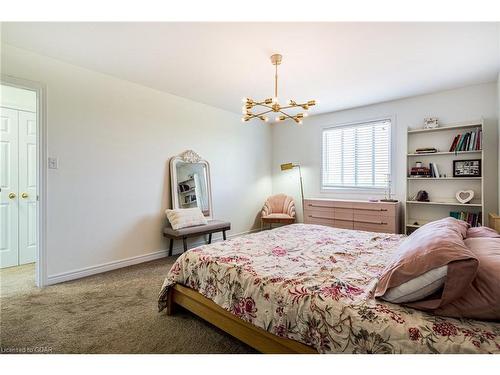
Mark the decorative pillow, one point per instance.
(481, 300)
(482, 232)
(418, 288)
(185, 217)
(432, 246)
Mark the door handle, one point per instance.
(12, 196)
(24, 195)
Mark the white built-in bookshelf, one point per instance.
(442, 189)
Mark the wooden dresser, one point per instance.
(353, 214)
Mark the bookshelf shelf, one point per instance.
(442, 195)
(446, 153)
(448, 127)
(443, 178)
(447, 203)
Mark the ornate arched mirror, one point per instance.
(190, 182)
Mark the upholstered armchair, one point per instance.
(278, 208)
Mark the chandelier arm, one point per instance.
(264, 105)
(291, 106)
(287, 115)
(263, 113)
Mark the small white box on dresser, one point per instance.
(353, 214)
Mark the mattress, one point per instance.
(315, 284)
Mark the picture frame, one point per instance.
(431, 123)
(467, 168)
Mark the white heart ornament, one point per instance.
(464, 196)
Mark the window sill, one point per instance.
(353, 190)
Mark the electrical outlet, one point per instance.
(53, 163)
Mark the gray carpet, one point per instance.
(114, 312)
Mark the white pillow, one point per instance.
(185, 217)
(419, 287)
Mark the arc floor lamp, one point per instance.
(288, 166)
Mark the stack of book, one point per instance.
(420, 172)
(424, 172)
(473, 219)
(425, 150)
(470, 141)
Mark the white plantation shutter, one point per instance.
(356, 156)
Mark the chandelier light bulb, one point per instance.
(305, 114)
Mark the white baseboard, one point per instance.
(113, 265)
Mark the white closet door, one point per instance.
(27, 187)
(9, 184)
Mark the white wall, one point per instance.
(302, 144)
(113, 139)
(498, 139)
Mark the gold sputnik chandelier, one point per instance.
(266, 106)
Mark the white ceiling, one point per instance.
(342, 64)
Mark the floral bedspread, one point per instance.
(315, 284)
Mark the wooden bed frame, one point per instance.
(251, 335)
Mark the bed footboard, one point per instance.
(251, 335)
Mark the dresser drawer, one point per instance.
(319, 215)
(342, 204)
(311, 219)
(318, 206)
(385, 224)
(343, 213)
(374, 209)
(344, 224)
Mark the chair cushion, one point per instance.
(277, 216)
(211, 226)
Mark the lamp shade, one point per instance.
(287, 166)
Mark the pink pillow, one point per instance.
(482, 232)
(433, 245)
(481, 300)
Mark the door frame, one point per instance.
(41, 140)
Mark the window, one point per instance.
(356, 156)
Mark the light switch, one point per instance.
(53, 163)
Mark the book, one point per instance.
(468, 141)
(454, 143)
(460, 142)
(425, 150)
(436, 170)
(474, 219)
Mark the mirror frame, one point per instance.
(189, 156)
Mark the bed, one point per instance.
(309, 289)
